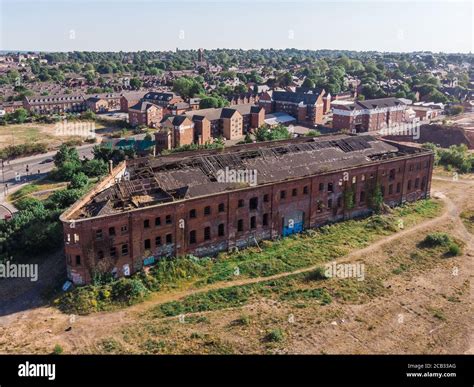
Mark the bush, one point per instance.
(378, 222)
(14, 151)
(242, 320)
(316, 275)
(454, 249)
(63, 198)
(95, 168)
(128, 290)
(275, 335)
(78, 181)
(437, 239)
(29, 204)
(68, 169)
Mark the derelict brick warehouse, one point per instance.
(178, 204)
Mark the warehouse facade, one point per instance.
(204, 202)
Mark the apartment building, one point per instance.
(145, 113)
(369, 115)
(307, 108)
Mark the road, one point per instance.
(14, 173)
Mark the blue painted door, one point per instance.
(297, 227)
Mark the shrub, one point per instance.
(454, 249)
(242, 320)
(95, 168)
(437, 239)
(29, 204)
(128, 290)
(317, 275)
(275, 335)
(78, 181)
(81, 300)
(21, 150)
(378, 222)
(63, 198)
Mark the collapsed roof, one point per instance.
(187, 175)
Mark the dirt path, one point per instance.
(46, 326)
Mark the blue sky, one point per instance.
(114, 25)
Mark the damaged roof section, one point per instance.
(164, 179)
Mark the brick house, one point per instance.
(174, 132)
(55, 104)
(145, 113)
(179, 204)
(162, 99)
(97, 104)
(222, 119)
(307, 108)
(130, 99)
(369, 115)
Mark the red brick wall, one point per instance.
(386, 174)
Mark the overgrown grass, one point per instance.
(317, 246)
(440, 239)
(37, 186)
(468, 220)
(288, 254)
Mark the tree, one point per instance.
(78, 181)
(187, 87)
(20, 115)
(95, 168)
(285, 79)
(136, 83)
(308, 83)
(212, 102)
(66, 154)
(68, 169)
(267, 133)
(63, 198)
